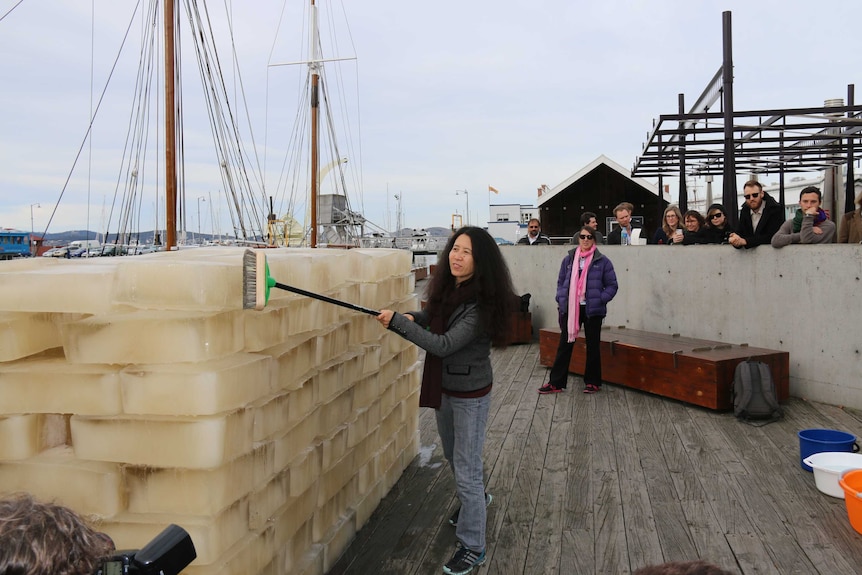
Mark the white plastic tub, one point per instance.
(828, 467)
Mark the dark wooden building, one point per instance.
(598, 187)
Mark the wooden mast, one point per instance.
(315, 83)
(170, 131)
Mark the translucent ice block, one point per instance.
(364, 329)
(265, 502)
(65, 287)
(334, 447)
(327, 515)
(370, 354)
(336, 540)
(204, 388)
(153, 336)
(211, 535)
(364, 423)
(189, 442)
(50, 384)
(332, 343)
(298, 511)
(23, 334)
(372, 264)
(255, 553)
(367, 503)
(203, 284)
(294, 441)
(271, 415)
(294, 360)
(335, 412)
(196, 491)
(366, 391)
(334, 479)
(304, 470)
(88, 487)
(330, 381)
(19, 436)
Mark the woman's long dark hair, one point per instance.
(495, 293)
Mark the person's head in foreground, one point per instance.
(47, 539)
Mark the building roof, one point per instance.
(599, 161)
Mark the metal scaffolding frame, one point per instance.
(703, 143)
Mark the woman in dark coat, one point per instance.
(717, 226)
(585, 285)
(470, 300)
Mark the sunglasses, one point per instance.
(716, 215)
(583, 237)
(755, 195)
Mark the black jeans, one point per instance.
(592, 328)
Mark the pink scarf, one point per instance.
(577, 289)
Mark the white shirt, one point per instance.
(755, 217)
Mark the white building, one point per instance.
(509, 221)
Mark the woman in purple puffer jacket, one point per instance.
(586, 283)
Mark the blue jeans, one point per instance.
(461, 425)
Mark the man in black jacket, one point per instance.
(534, 236)
(759, 218)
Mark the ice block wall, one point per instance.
(138, 391)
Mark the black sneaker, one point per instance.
(453, 520)
(463, 561)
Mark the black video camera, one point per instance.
(168, 553)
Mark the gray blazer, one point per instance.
(465, 348)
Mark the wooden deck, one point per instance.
(610, 482)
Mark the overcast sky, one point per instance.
(450, 95)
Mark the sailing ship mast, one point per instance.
(170, 131)
(314, 66)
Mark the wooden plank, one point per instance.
(606, 483)
(642, 538)
(608, 518)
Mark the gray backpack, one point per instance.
(754, 398)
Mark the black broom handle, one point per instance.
(326, 299)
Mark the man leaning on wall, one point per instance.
(759, 218)
(810, 225)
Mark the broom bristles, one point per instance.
(254, 280)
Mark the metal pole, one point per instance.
(467, 195)
(32, 228)
(850, 184)
(683, 190)
(729, 195)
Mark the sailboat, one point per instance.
(308, 206)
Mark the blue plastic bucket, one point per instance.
(813, 441)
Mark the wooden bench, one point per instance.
(696, 371)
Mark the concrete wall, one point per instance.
(806, 300)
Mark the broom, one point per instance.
(256, 283)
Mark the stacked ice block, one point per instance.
(138, 391)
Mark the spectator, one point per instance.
(810, 225)
(671, 231)
(47, 539)
(534, 236)
(850, 231)
(717, 230)
(695, 226)
(585, 285)
(759, 218)
(590, 219)
(682, 568)
(623, 214)
(469, 305)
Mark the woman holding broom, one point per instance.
(470, 298)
